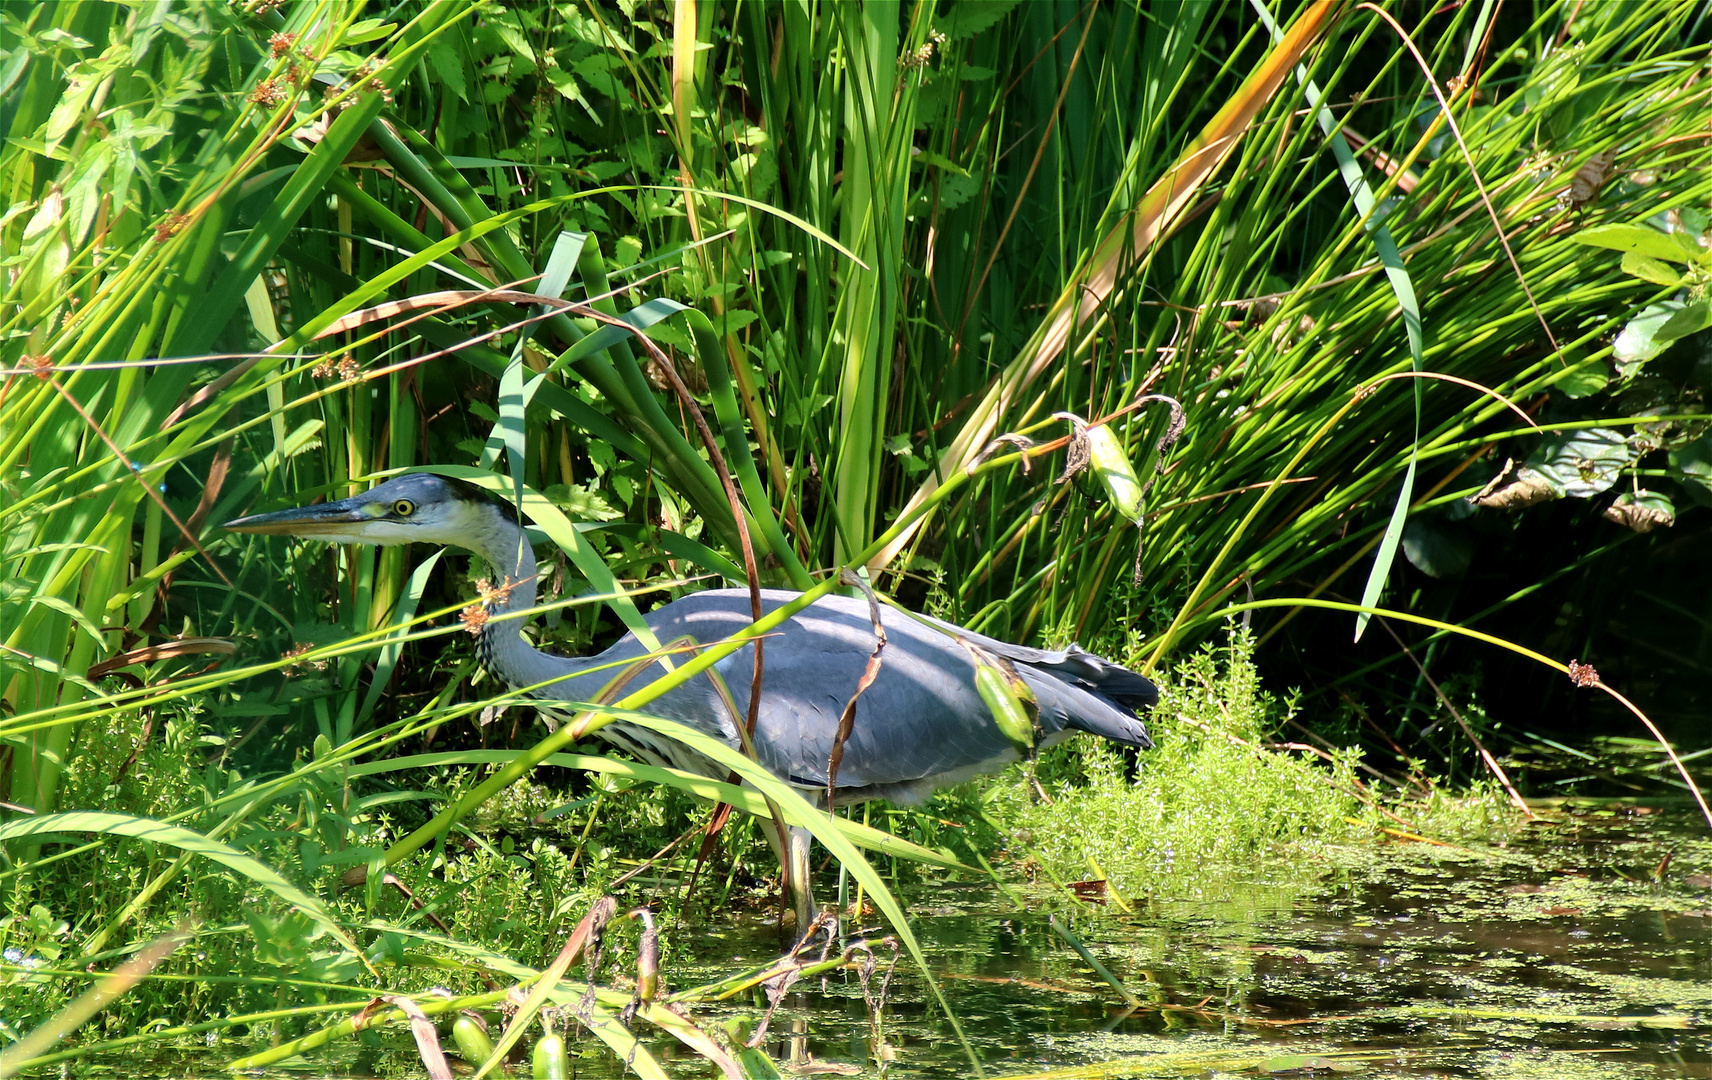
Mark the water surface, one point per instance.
(1581, 948)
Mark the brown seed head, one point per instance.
(474, 618)
(1582, 674)
(171, 227)
(492, 594)
(281, 43)
(297, 665)
(267, 94)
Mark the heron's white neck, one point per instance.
(500, 643)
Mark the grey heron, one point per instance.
(919, 726)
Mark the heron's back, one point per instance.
(919, 726)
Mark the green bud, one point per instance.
(1106, 455)
(1008, 707)
(471, 1040)
(549, 1061)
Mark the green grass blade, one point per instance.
(156, 832)
(744, 799)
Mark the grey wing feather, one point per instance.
(921, 722)
(1120, 692)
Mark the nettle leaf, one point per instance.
(448, 67)
(1642, 338)
(581, 503)
(1584, 462)
(970, 17)
(602, 171)
(1693, 465)
(900, 448)
(733, 320)
(1671, 247)
(1437, 549)
(929, 159)
(1584, 381)
(952, 191)
(1650, 269)
(564, 82)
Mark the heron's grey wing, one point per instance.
(921, 718)
(1082, 690)
(921, 724)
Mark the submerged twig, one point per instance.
(1088, 958)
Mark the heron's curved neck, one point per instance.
(500, 643)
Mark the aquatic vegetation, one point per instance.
(1215, 802)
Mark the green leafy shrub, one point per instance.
(1209, 801)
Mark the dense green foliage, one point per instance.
(257, 253)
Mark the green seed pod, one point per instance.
(1106, 455)
(549, 1061)
(471, 1039)
(1009, 712)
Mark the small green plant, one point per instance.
(1212, 801)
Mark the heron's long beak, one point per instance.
(334, 518)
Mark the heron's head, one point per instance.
(419, 508)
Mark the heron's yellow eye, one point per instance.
(404, 508)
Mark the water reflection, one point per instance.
(1565, 953)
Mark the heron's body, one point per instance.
(921, 725)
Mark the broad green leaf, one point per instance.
(1693, 466)
(1584, 381)
(1638, 239)
(1692, 319)
(1642, 337)
(1585, 462)
(1437, 548)
(1650, 269)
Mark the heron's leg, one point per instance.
(801, 886)
(793, 863)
